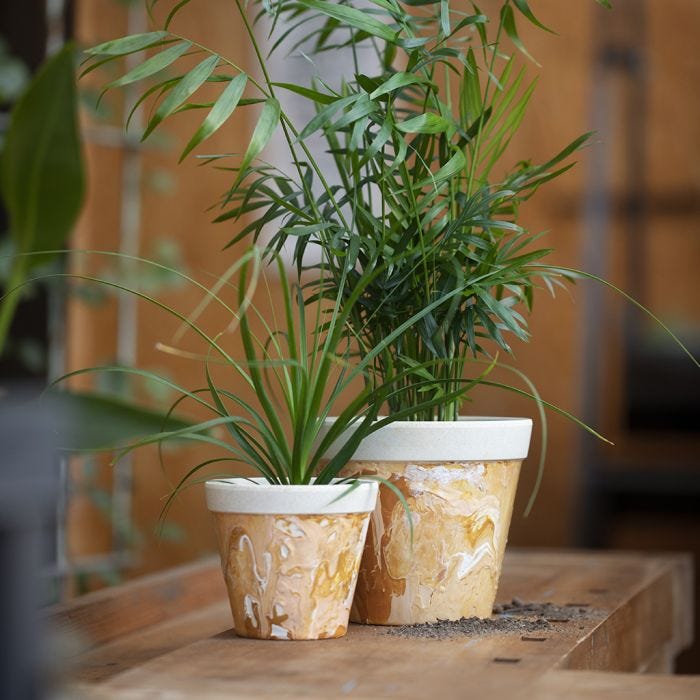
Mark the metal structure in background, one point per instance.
(121, 554)
(657, 392)
(127, 310)
(57, 33)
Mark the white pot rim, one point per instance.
(257, 496)
(471, 438)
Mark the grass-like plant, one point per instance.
(301, 367)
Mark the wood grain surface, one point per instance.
(169, 636)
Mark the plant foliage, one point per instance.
(425, 270)
(301, 373)
(420, 204)
(41, 172)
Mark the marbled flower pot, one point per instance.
(459, 479)
(290, 554)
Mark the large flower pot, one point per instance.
(290, 554)
(459, 479)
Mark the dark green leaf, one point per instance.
(152, 65)
(223, 108)
(315, 95)
(396, 82)
(191, 82)
(508, 19)
(468, 21)
(428, 123)
(127, 44)
(524, 7)
(41, 172)
(174, 11)
(267, 123)
(88, 421)
(450, 169)
(326, 114)
(352, 17)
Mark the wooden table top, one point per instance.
(169, 635)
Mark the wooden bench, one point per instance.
(169, 635)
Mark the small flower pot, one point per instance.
(459, 479)
(290, 554)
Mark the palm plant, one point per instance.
(416, 180)
(421, 213)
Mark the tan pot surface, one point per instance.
(290, 576)
(461, 514)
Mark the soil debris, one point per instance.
(508, 618)
(547, 611)
(470, 627)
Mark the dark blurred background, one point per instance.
(629, 211)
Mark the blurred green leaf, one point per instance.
(41, 172)
(89, 421)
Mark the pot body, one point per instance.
(290, 554)
(459, 480)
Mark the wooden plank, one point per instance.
(588, 685)
(130, 650)
(103, 616)
(554, 685)
(359, 665)
(649, 628)
(625, 592)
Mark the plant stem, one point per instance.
(228, 62)
(287, 126)
(477, 141)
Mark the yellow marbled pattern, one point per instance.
(290, 576)
(461, 514)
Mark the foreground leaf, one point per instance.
(90, 421)
(41, 172)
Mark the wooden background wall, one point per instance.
(561, 110)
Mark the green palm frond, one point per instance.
(418, 227)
